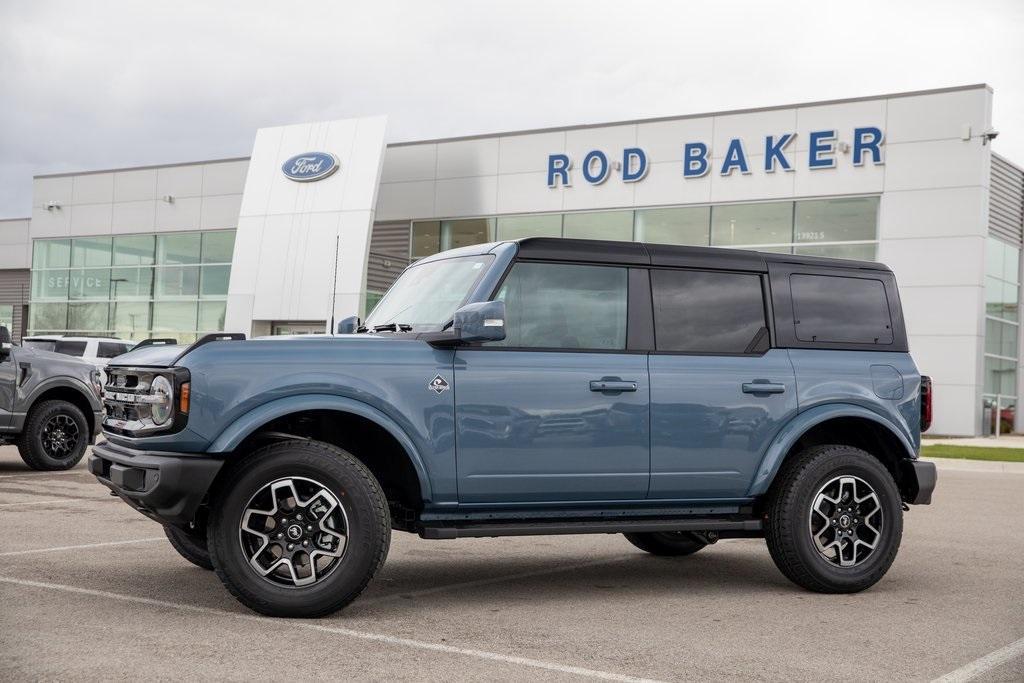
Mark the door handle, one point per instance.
(762, 386)
(612, 385)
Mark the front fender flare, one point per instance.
(248, 423)
(798, 426)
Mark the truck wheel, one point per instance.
(668, 543)
(189, 546)
(834, 519)
(298, 529)
(56, 434)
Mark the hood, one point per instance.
(149, 356)
(164, 356)
(53, 364)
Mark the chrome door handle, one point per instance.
(611, 385)
(763, 387)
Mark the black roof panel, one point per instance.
(636, 253)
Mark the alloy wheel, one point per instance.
(293, 532)
(845, 521)
(60, 436)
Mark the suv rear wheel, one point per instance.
(56, 434)
(835, 519)
(298, 529)
(669, 543)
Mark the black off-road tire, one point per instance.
(367, 540)
(667, 543)
(787, 531)
(31, 444)
(190, 546)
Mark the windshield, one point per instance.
(41, 344)
(426, 295)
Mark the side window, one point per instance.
(708, 312)
(109, 350)
(70, 348)
(564, 306)
(836, 309)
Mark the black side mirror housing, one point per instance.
(348, 325)
(5, 342)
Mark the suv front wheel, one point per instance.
(834, 519)
(56, 434)
(298, 529)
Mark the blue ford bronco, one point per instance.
(675, 395)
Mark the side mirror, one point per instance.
(483, 321)
(5, 342)
(348, 325)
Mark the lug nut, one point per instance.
(280, 535)
(299, 517)
(291, 546)
(305, 544)
(309, 527)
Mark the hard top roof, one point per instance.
(639, 253)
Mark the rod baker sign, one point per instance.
(773, 153)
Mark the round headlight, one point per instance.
(163, 408)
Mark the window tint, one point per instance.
(850, 310)
(70, 348)
(551, 305)
(110, 350)
(707, 312)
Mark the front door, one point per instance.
(8, 377)
(559, 410)
(719, 394)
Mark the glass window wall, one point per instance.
(1002, 331)
(132, 285)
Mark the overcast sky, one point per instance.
(92, 85)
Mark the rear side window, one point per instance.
(70, 348)
(562, 306)
(41, 344)
(708, 312)
(844, 310)
(110, 350)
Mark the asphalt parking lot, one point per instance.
(90, 589)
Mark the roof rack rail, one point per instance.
(207, 339)
(155, 341)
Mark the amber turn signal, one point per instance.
(186, 391)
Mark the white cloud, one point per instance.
(86, 86)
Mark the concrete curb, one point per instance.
(989, 466)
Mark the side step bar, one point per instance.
(523, 528)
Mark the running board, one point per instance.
(522, 528)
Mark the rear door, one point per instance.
(719, 393)
(558, 411)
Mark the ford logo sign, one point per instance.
(310, 166)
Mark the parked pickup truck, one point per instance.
(675, 395)
(49, 405)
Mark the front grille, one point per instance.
(124, 397)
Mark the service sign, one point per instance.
(305, 168)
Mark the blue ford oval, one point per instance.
(310, 166)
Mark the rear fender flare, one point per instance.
(799, 425)
(243, 426)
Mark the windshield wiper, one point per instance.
(393, 327)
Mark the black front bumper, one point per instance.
(918, 481)
(167, 487)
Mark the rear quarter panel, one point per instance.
(885, 383)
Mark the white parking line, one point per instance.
(54, 500)
(486, 582)
(981, 665)
(347, 632)
(42, 474)
(82, 547)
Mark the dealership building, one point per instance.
(320, 219)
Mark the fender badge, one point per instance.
(438, 385)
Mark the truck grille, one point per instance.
(126, 398)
